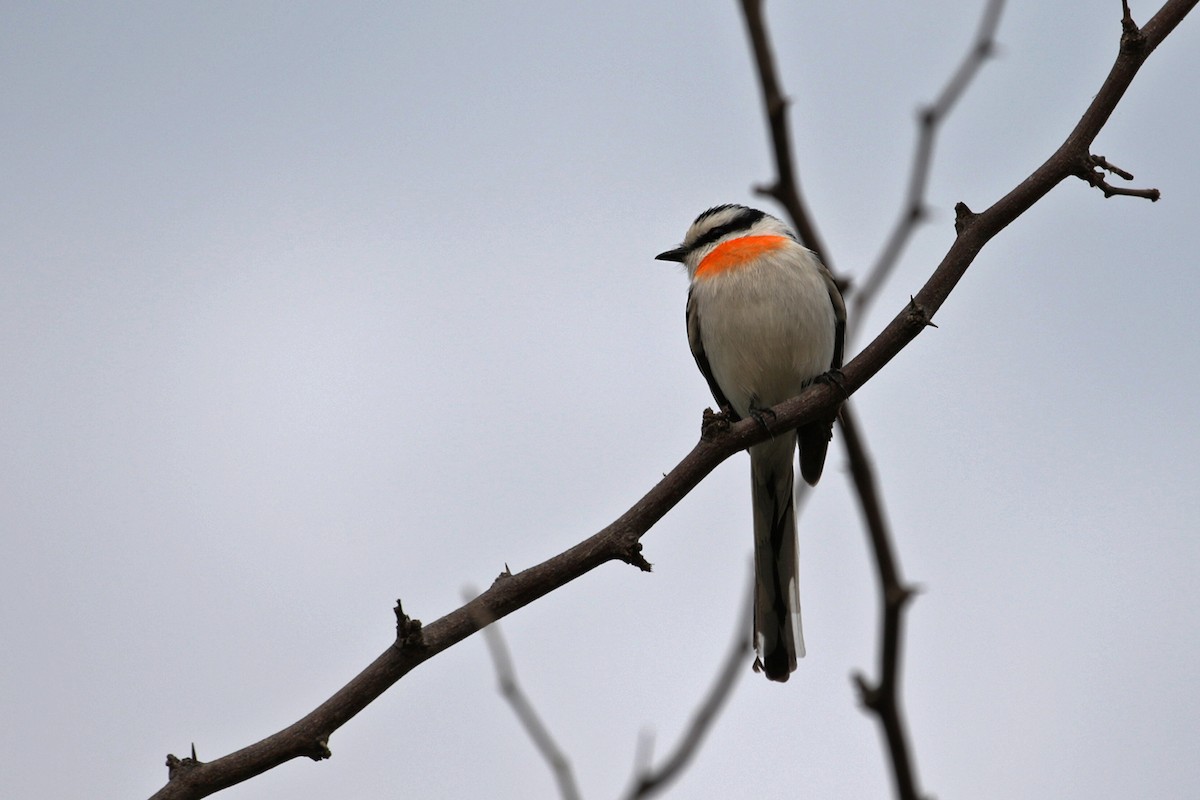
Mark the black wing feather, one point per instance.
(697, 345)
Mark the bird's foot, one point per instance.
(760, 416)
(834, 378)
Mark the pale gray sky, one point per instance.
(307, 307)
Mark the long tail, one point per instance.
(778, 637)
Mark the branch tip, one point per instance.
(632, 555)
(1104, 164)
(1092, 170)
(408, 630)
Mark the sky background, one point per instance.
(307, 307)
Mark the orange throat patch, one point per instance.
(738, 253)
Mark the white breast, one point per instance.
(767, 328)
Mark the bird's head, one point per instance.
(720, 224)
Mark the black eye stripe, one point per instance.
(741, 222)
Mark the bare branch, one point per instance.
(506, 674)
(786, 189)
(1092, 170)
(929, 121)
(649, 782)
(620, 541)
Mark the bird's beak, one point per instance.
(672, 255)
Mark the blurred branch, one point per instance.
(620, 541)
(506, 674)
(883, 698)
(929, 121)
(649, 782)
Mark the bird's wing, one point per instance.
(697, 345)
(839, 317)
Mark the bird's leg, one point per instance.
(760, 416)
(835, 378)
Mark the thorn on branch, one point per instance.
(1093, 169)
(920, 314)
(632, 553)
(870, 696)
(408, 630)
(900, 596)
(177, 767)
(963, 217)
(773, 191)
(507, 573)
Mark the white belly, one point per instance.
(767, 329)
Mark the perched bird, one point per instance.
(764, 319)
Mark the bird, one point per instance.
(765, 318)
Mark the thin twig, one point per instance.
(1093, 168)
(506, 675)
(649, 782)
(620, 541)
(929, 122)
